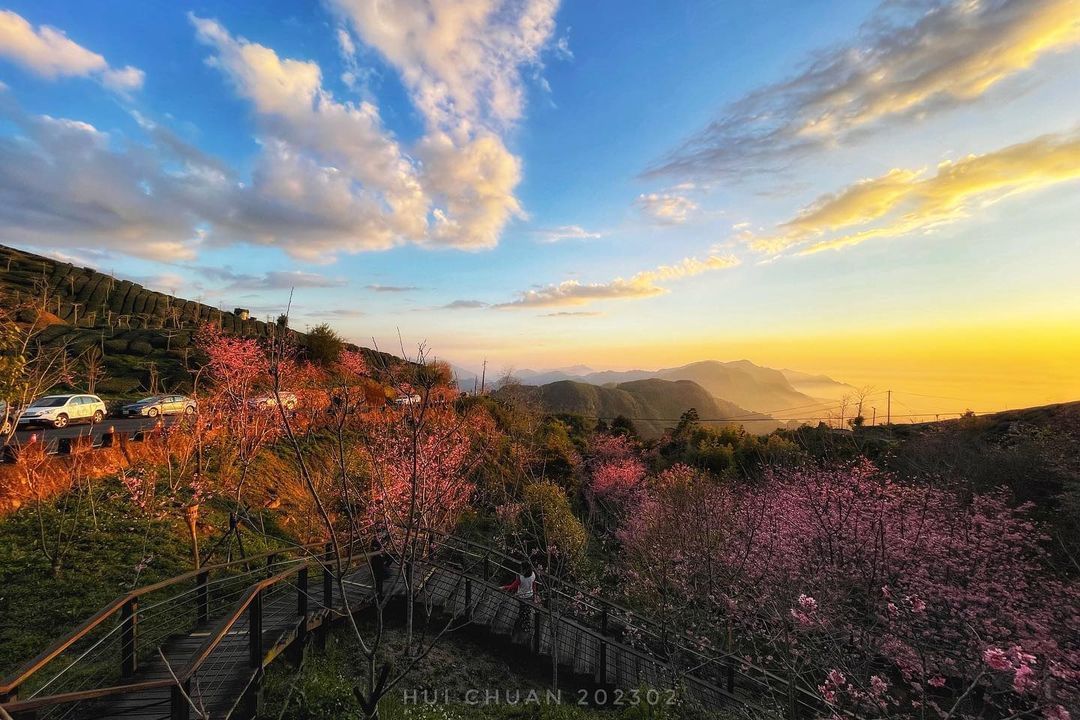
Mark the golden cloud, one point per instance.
(905, 201)
(644, 284)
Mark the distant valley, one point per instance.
(759, 397)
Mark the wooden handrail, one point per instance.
(204, 651)
(21, 675)
(723, 657)
(225, 625)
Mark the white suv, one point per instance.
(60, 410)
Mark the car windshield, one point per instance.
(49, 402)
(151, 399)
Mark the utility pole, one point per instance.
(874, 420)
(483, 377)
(888, 411)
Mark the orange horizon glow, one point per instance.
(984, 369)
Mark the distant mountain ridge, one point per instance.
(740, 382)
(652, 403)
(819, 386)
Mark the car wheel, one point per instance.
(152, 412)
(61, 421)
(189, 410)
(98, 417)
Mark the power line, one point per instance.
(760, 419)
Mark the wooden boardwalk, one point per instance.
(219, 688)
(584, 652)
(219, 662)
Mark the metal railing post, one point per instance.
(793, 702)
(534, 608)
(129, 637)
(255, 654)
(298, 644)
(730, 661)
(327, 598)
(255, 645)
(601, 670)
(468, 597)
(270, 560)
(328, 578)
(202, 597)
(179, 709)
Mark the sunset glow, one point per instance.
(889, 199)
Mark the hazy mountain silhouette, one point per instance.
(819, 386)
(741, 382)
(652, 403)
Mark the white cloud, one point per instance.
(48, 52)
(63, 186)
(666, 208)
(644, 284)
(462, 63)
(328, 178)
(465, 305)
(461, 60)
(911, 59)
(272, 280)
(124, 79)
(565, 232)
(458, 192)
(573, 313)
(392, 288)
(473, 183)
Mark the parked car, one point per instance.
(161, 405)
(288, 400)
(60, 410)
(5, 418)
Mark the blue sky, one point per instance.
(541, 183)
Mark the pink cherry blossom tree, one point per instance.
(886, 598)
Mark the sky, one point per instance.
(885, 192)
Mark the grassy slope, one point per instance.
(106, 544)
(106, 541)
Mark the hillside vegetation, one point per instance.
(143, 338)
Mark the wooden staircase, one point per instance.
(205, 638)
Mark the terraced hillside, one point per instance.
(145, 337)
(85, 298)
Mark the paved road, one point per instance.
(72, 431)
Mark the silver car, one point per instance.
(289, 401)
(161, 405)
(5, 418)
(60, 410)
